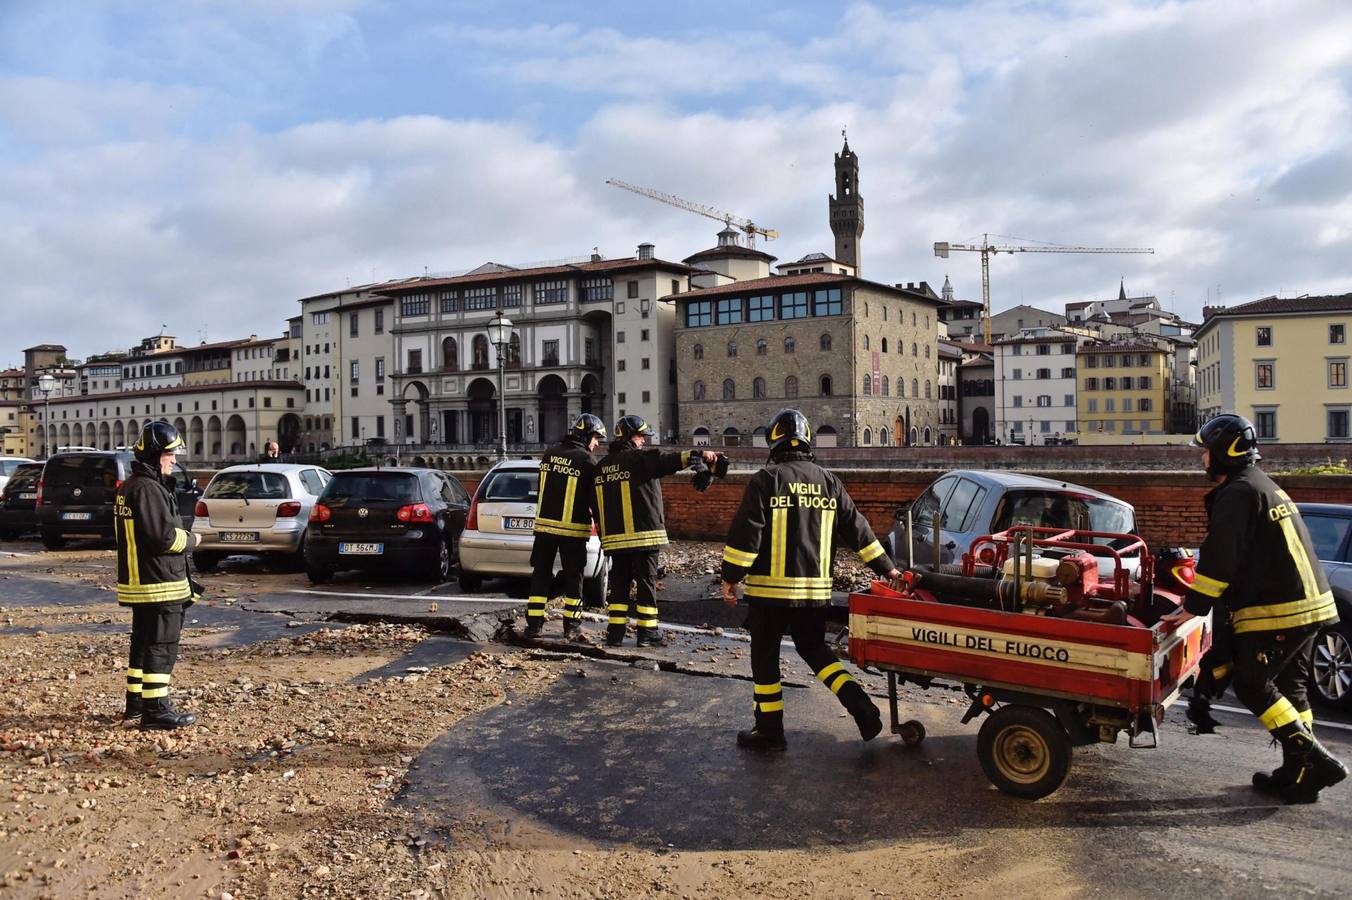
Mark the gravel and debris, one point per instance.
(694, 559)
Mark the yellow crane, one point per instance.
(746, 226)
(987, 249)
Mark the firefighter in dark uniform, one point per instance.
(782, 542)
(632, 524)
(563, 523)
(1258, 559)
(152, 576)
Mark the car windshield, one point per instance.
(1327, 533)
(25, 477)
(1057, 509)
(249, 486)
(511, 486)
(368, 487)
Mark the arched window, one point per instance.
(732, 348)
(868, 385)
(884, 345)
(826, 386)
(699, 390)
(514, 350)
(912, 320)
(758, 388)
(865, 342)
(868, 438)
(915, 349)
(928, 438)
(927, 351)
(790, 387)
(729, 389)
(825, 343)
(790, 345)
(927, 389)
(762, 347)
(480, 348)
(901, 387)
(450, 355)
(915, 387)
(884, 437)
(865, 310)
(884, 385)
(698, 351)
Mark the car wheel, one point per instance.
(206, 561)
(1331, 666)
(318, 574)
(470, 583)
(439, 566)
(9, 536)
(53, 540)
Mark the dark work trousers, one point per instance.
(1271, 671)
(807, 626)
(573, 554)
(1217, 668)
(628, 568)
(155, 629)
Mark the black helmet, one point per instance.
(586, 426)
(628, 426)
(156, 438)
(1232, 440)
(789, 428)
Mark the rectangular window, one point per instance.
(1337, 423)
(1126, 404)
(481, 298)
(1143, 360)
(1068, 373)
(644, 363)
(1265, 421)
(551, 292)
(1046, 426)
(643, 334)
(1263, 335)
(597, 289)
(1110, 384)
(1126, 360)
(675, 286)
(1337, 334)
(1018, 400)
(1093, 404)
(352, 326)
(1091, 384)
(1070, 400)
(647, 396)
(1091, 362)
(1143, 382)
(619, 365)
(826, 303)
(414, 362)
(1264, 375)
(380, 426)
(415, 305)
(699, 313)
(550, 352)
(380, 321)
(620, 396)
(1110, 405)
(1126, 382)
(1044, 400)
(380, 369)
(356, 427)
(793, 305)
(589, 351)
(1338, 373)
(1044, 373)
(1044, 350)
(450, 301)
(619, 337)
(728, 312)
(355, 374)
(760, 309)
(633, 290)
(319, 318)
(511, 295)
(1143, 404)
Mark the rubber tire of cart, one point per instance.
(911, 732)
(1024, 751)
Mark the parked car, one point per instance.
(971, 504)
(1330, 526)
(262, 508)
(7, 466)
(76, 491)
(19, 500)
(501, 531)
(396, 519)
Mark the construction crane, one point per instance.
(746, 226)
(986, 249)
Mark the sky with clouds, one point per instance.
(202, 164)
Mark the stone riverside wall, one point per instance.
(1169, 509)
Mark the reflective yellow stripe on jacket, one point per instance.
(1278, 616)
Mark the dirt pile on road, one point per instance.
(694, 559)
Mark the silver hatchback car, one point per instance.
(257, 509)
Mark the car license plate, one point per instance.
(239, 537)
(513, 524)
(28, 496)
(361, 549)
(77, 517)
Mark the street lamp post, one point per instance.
(500, 335)
(47, 384)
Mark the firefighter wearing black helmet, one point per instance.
(782, 541)
(1257, 558)
(152, 576)
(563, 523)
(633, 525)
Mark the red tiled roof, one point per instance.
(779, 282)
(1278, 305)
(1119, 348)
(735, 250)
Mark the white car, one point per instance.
(499, 533)
(256, 509)
(7, 466)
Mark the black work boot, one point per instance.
(1315, 769)
(1274, 782)
(863, 709)
(1199, 714)
(534, 625)
(651, 637)
(572, 631)
(160, 715)
(767, 736)
(133, 708)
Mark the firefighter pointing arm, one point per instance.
(1258, 559)
(782, 541)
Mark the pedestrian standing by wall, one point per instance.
(152, 576)
(1258, 559)
(633, 526)
(782, 541)
(563, 524)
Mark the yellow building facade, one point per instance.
(1122, 389)
(1282, 363)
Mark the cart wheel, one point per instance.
(1024, 751)
(912, 732)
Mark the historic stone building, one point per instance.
(858, 357)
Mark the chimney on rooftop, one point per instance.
(1209, 311)
(646, 251)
